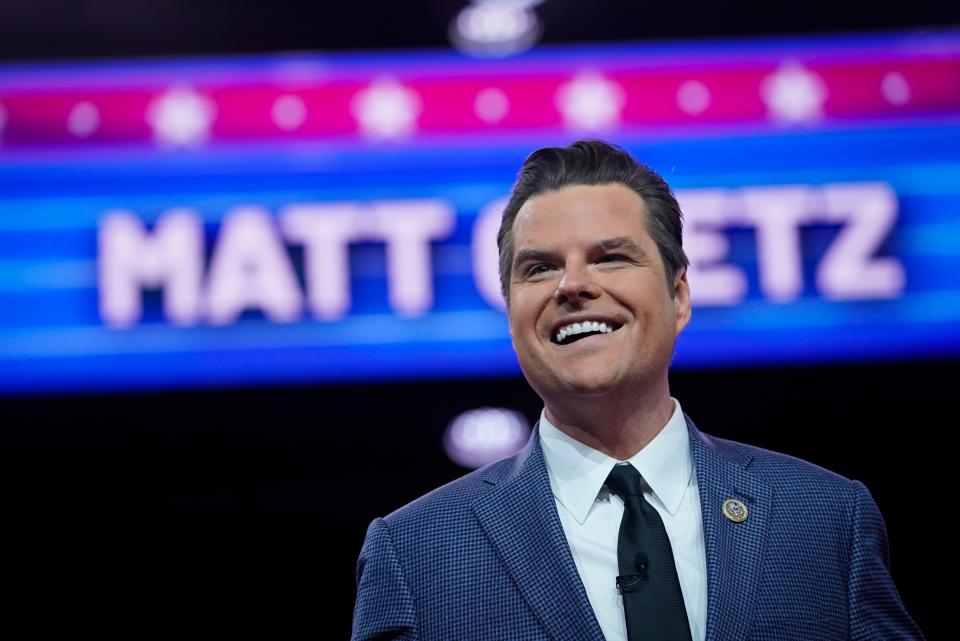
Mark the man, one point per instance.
(620, 519)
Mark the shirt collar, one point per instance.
(577, 471)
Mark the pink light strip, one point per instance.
(621, 93)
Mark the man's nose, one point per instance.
(576, 285)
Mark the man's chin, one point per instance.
(589, 380)
(588, 386)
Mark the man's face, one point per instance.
(582, 254)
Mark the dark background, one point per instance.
(69, 29)
(242, 505)
(231, 506)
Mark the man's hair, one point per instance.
(594, 162)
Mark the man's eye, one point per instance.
(539, 268)
(610, 258)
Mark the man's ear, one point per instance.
(681, 300)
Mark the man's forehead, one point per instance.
(610, 202)
(543, 224)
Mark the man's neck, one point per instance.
(618, 427)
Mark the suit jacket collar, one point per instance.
(734, 550)
(519, 515)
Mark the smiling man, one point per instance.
(583, 255)
(620, 520)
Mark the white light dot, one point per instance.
(386, 110)
(491, 106)
(895, 88)
(481, 436)
(288, 112)
(181, 117)
(794, 95)
(590, 102)
(84, 119)
(693, 97)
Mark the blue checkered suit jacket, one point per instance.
(485, 557)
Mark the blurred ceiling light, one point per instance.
(496, 28)
(485, 435)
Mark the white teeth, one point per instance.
(580, 328)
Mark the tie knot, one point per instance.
(625, 481)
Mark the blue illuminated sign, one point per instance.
(814, 233)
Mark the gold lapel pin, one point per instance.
(735, 510)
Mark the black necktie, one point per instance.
(652, 601)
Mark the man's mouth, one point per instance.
(573, 332)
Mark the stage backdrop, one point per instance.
(333, 218)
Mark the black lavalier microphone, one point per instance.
(632, 582)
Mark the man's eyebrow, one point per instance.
(526, 255)
(623, 243)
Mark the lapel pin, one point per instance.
(735, 510)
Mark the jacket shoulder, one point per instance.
(451, 501)
(779, 468)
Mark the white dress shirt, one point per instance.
(591, 516)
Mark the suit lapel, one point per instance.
(734, 550)
(519, 515)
